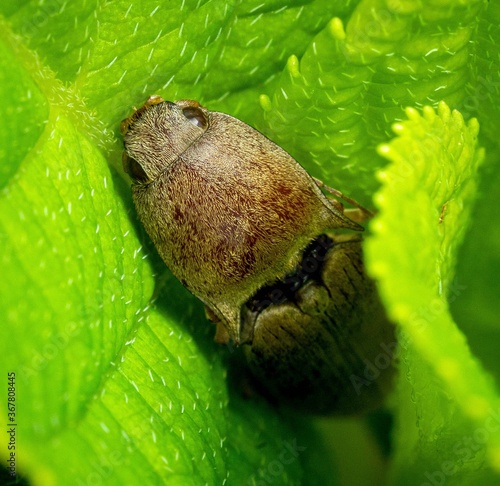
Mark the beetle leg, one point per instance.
(359, 215)
(221, 334)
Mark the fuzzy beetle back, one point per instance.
(228, 210)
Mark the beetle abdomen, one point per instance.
(329, 347)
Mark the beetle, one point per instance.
(234, 216)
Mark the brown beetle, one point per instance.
(232, 214)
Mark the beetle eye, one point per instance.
(196, 116)
(134, 169)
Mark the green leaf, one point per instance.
(117, 377)
(426, 197)
(332, 108)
